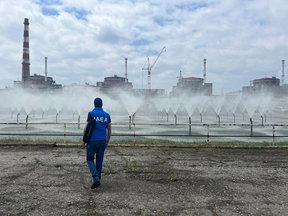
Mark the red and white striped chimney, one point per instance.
(26, 61)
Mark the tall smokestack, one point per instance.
(25, 60)
(126, 80)
(204, 71)
(46, 69)
(282, 80)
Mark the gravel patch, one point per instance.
(144, 181)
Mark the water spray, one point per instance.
(56, 118)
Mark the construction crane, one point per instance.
(149, 68)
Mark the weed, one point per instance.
(133, 166)
(37, 160)
(32, 208)
(120, 153)
(23, 157)
(193, 165)
(173, 179)
(147, 179)
(147, 214)
(110, 169)
(58, 165)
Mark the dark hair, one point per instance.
(98, 102)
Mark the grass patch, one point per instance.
(133, 166)
(120, 153)
(37, 160)
(145, 142)
(110, 169)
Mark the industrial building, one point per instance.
(269, 85)
(35, 82)
(190, 86)
(115, 83)
(41, 83)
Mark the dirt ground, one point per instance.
(144, 181)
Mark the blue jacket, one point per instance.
(102, 119)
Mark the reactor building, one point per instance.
(270, 85)
(190, 86)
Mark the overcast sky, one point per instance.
(88, 40)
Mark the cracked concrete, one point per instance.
(144, 181)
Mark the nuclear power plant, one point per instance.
(113, 85)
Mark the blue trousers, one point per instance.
(98, 148)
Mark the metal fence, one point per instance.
(134, 133)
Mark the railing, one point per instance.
(134, 134)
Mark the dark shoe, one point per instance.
(96, 183)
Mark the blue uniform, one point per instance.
(102, 119)
(97, 143)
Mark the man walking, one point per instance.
(99, 140)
